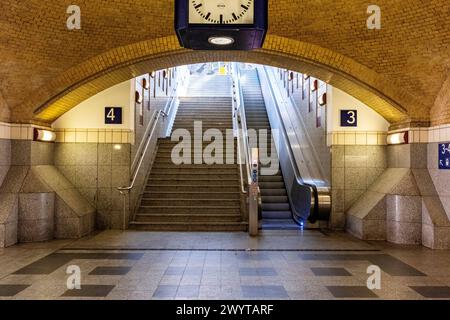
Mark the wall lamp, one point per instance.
(323, 100)
(291, 76)
(138, 97)
(145, 84)
(398, 138)
(43, 135)
(314, 85)
(305, 76)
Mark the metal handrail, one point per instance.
(142, 157)
(139, 149)
(165, 114)
(161, 113)
(241, 112)
(245, 131)
(239, 159)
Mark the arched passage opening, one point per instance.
(121, 64)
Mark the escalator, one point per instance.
(296, 194)
(276, 209)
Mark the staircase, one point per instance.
(194, 197)
(276, 210)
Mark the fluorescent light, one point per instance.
(44, 135)
(398, 138)
(221, 41)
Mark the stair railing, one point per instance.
(141, 153)
(242, 133)
(241, 127)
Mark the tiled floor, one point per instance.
(276, 265)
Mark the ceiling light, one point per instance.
(221, 41)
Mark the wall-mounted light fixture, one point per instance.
(323, 100)
(43, 135)
(138, 97)
(305, 76)
(145, 84)
(152, 74)
(291, 76)
(315, 85)
(398, 138)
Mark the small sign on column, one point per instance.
(444, 156)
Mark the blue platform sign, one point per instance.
(349, 118)
(444, 156)
(113, 115)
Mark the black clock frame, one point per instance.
(245, 36)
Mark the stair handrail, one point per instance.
(167, 107)
(160, 114)
(163, 113)
(240, 112)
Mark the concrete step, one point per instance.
(187, 218)
(191, 209)
(196, 166)
(193, 170)
(149, 202)
(196, 182)
(192, 161)
(234, 187)
(194, 226)
(191, 195)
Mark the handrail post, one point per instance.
(253, 219)
(124, 192)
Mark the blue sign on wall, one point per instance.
(349, 118)
(113, 115)
(444, 156)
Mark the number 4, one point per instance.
(111, 115)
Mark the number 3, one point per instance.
(352, 119)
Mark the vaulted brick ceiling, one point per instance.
(406, 62)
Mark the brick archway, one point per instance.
(123, 63)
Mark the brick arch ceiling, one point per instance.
(398, 70)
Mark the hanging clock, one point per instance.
(221, 24)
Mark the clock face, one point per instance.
(221, 11)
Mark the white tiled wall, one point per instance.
(25, 132)
(359, 138)
(428, 135)
(17, 131)
(94, 136)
